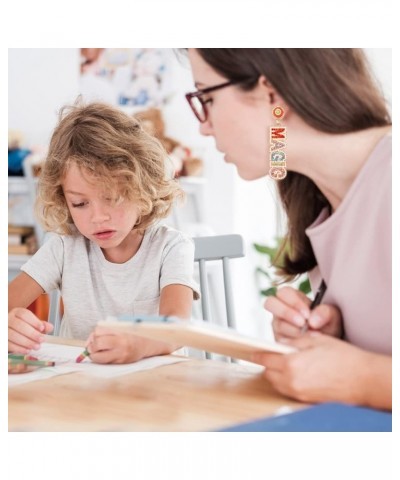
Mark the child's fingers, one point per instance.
(105, 356)
(101, 342)
(25, 325)
(282, 310)
(28, 318)
(89, 339)
(15, 348)
(104, 348)
(21, 340)
(48, 327)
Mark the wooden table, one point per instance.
(195, 395)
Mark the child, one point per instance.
(102, 189)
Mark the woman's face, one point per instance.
(238, 120)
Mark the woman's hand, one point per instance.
(328, 369)
(25, 330)
(291, 310)
(108, 346)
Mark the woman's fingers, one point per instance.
(327, 319)
(283, 329)
(284, 311)
(295, 299)
(290, 309)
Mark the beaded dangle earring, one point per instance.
(277, 140)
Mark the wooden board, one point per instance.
(200, 335)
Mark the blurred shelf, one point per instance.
(17, 186)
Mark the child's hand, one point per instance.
(25, 330)
(106, 346)
(291, 309)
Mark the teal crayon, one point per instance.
(82, 356)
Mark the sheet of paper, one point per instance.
(65, 355)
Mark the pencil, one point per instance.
(82, 356)
(13, 356)
(317, 300)
(33, 363)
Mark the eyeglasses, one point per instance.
(199, 105)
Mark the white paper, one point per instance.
(65, 355)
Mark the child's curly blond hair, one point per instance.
(117, 154)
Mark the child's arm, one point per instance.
(106, 346)
(25, 330)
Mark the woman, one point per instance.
(334, 180)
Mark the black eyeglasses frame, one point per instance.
(198, 93)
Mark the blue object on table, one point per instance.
(326, 417)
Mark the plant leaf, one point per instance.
(269, 292)
(264, 249)
(305, 286)
(264, 272)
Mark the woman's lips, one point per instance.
(104, 235)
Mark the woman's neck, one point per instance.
(331, 161)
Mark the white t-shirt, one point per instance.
(93, 288)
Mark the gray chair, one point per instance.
(223, 248)
(217, 248)
(54, 311)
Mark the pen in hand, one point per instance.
(317, 300)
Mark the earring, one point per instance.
(277, 140)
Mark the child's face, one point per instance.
(94, 215)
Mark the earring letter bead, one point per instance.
(277, 140)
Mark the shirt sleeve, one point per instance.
(178, 265)
(46, 266)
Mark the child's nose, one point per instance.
(99, 214)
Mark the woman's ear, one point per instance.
(271, 92)
(266, 87)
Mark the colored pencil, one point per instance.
(82, 356)
(33, 363)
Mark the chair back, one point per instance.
(222, 248)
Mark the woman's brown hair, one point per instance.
(332, 90)
(113, 150)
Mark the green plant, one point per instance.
(270, 277)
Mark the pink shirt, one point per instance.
(353, 252)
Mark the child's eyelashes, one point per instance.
(78, 205)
